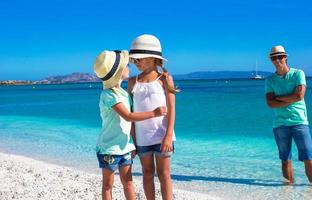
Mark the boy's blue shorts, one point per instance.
(153, 149)
(112, 162)
(301, 134)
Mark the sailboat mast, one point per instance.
(256, 67)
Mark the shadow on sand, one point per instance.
(243, 181)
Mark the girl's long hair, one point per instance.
(161, 69)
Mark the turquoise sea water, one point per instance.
(223, 129)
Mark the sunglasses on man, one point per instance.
(280, 57)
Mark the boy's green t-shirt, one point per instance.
(115, 137)
(295, 113)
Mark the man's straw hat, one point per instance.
(278, 51)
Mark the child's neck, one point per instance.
(119, 84)
(148, 75)
(150, 71)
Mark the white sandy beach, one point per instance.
(29, 179)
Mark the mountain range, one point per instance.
(220, 75)
(85, 77)
(71, 78)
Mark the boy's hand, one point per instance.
(133, 154)
(161, 111)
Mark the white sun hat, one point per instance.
(145, 46)
(109, 65)
(278, 51)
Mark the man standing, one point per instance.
(285, 90)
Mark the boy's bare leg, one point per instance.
(107, 184)
(126, 180)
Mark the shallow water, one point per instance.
(223, 127)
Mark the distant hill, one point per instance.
(220, 75)
(71, 78)
(85, 77)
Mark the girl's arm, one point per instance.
(132, 132)
(166, 145)
(131, 83)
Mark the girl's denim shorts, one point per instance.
(153, 149)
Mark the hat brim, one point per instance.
(114, 80)
(138, 56)
(278, 54)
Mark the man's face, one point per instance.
(279, 61)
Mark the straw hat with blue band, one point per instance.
(278, 51)
(109, 65)
(146, 46)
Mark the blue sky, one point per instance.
(45, 38)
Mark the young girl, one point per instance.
(153, 137)
(114, 145)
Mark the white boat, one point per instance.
(257, 76)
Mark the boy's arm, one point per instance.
(137, 116)
(121, 109)
(131, 82)
(166, 145)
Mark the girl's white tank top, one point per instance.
(147, 97)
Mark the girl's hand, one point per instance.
(160, 111)
(133, 154)
(166, 145)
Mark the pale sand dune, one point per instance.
(29, 179)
